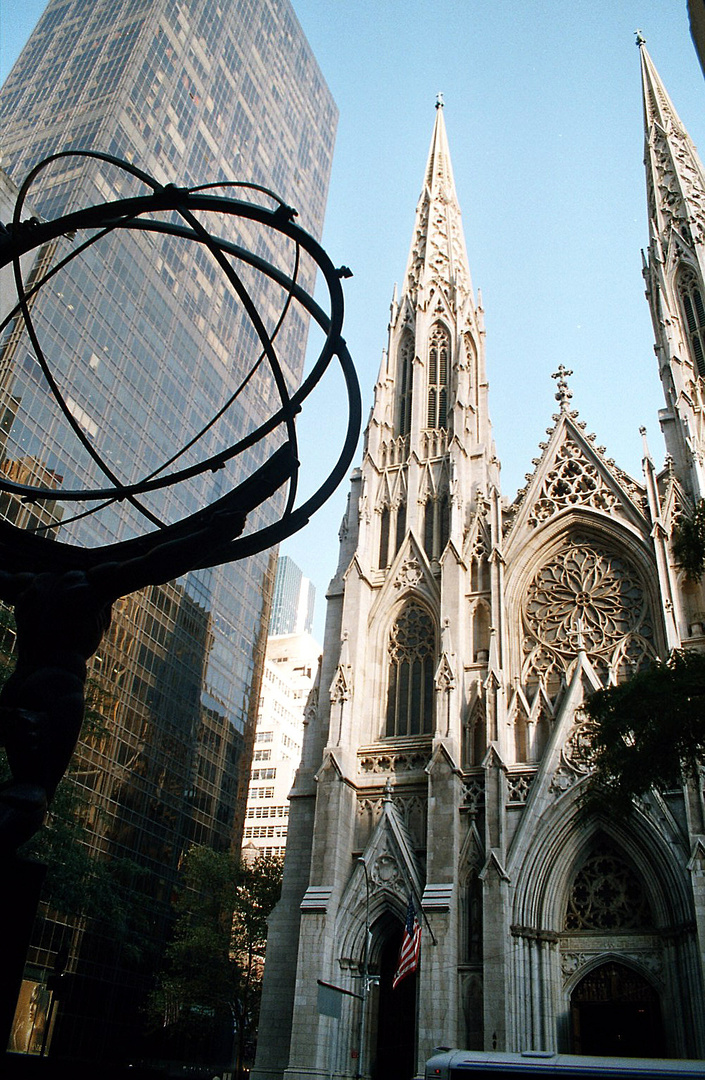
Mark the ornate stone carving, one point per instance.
(650, 959)
(572, 481)
(411, 809)
(577, 751)
(474, 798)
(385, 871)
(585, 597)
(409, 575)
(676, 175)
(518, 786)
(396, 762)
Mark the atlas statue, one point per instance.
(62, 592)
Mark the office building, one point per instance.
(448, 757)
(293, 600)
(290, 669)
(147, 343)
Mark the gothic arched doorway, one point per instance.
(615, 1011)
(395, 1057)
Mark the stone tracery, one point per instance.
(572, 481)
(588, 597)
(607, 895)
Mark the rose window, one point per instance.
(591, 598)
(607, 895)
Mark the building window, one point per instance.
(412, 655)
(406, 379)
(607, 895)
(438, 360)
(401, 526)
(384, 538)
(436, 525)
(428, 515)
(694, 311)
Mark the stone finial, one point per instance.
(563, 393)
(439, 101)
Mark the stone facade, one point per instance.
(447, 754)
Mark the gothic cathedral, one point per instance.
(446, 753)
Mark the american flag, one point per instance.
(410, 946)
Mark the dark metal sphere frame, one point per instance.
(20, 238)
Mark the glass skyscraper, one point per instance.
(146, 343)
(293, 601)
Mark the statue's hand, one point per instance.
(228, 524)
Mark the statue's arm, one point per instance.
(168, 560)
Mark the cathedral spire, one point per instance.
(675, 174)
(428, 448)
(438, 257)
(675, 274)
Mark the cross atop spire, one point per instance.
(563, 392)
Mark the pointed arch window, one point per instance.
(438, 365)
(691, 296)
(412, 658)
(428, 525)
(405, 375)
(384, 538)
(401, 526)
(436, 524)
(443, 521)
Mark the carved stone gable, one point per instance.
(573, 480)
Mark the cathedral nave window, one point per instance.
(412, 660)
(438, 363)
(694, 310)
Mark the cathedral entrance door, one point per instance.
(615, 1011)
(395, 1058)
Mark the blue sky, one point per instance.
(543, 112)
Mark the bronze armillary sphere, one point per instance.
(62, 591)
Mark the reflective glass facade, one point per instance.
(146, 343)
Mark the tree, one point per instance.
(651, 729)
(215, 959)
(689, 543)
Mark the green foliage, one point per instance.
(650, 730)
(689, 543)
(214, 961)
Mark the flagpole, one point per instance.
(416, 1018)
